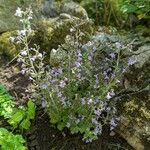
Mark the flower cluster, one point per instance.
(29, 58)
(82, 87)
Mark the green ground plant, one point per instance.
(10, 141)
(17, 116)
(140, 7)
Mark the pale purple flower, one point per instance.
(112, 55)
(77, 64)
(30, 78)
(131, 61)
(53, 81)
(60, 71)
(62, 84)
(90, 101)
(18, 12)
(97, 130)
(12, 38)
(118, 45)
(78, 75)
(44, 103)
(98, 112)
(44, 86)
(22, 32)
(118, 81)
(79, 59)
(124, 70)
(83, 101)
(71, 30)
(19, 60)
(33, 58)
(106, 77)
(90, 58)
(110, 94)
(113, 123)
(63, 100)
(54, 72)
(79, 53)
(94, 120)
(59, 94)
(23, 72)
(24, 53)
(40, 55)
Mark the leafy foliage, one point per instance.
(16, 116)
(23, 116)
(6, 103)
(140, 7)
(9, 141)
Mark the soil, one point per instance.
(43, 136)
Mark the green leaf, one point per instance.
(30, 110)
(16, 118)
(55, 117)
(74, 129)
(61, 126)
(25, 124)
(9, 141)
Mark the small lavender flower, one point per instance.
(118, 81)
(110, 94)
(59, 94)
(90, 57)
(118, 45)
(77, 64)
(83, 101)
(78, 75)
(71, 29)
(23, 71)
(90, 101)
(112, 55)
(94, 120)
(113, 123)
(131, 61)
(97, 130)
(63, 100)
(78, 53)
(44, 103)
(19, 60)
(18, 12)
(62, 84)
(22, 32)
(39, 55)
(12, 38)
(55, 71)
(23, 53)
(98, 112)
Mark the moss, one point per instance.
(7, 48)
(52, 32)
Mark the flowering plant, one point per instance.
(78, 93)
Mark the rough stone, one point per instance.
(7, 47)
(135, 114)
(53, 9)
(52, 32)
(8, 21)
